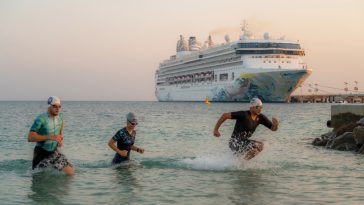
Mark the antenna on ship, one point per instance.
(244, 27)
(246, 33)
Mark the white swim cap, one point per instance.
(255, 102)
(54, 100)
(130, 117)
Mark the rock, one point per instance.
(346, 147)
(344, 142)
(345, 114)
(361, 121)
(345, 128)
(361, 150)
(329, 135)
(319, 142)
(323, 139)
(358, 133)
(343, 119)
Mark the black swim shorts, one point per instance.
(44, 159)
(240, 146)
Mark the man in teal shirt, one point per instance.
(47, 132)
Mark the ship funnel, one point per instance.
(182, 44)
(193, 44)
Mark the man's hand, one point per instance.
(275, 124)
(275, 121)
(140, 150)
(57, 138)
(123, 153)
(222, 119)
(60, 144)
(217, 133)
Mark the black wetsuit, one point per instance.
(124, 142)
(244, 128)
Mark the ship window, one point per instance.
(269, 45)
(284, 52)
(224, 77)
(232, 76)
(215, 78)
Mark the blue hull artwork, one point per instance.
(268, 86)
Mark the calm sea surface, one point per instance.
(183, 163)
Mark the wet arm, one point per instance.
(137, 149)
(134, 148)
(113, 147)
(274, 124)
(61, 130)
(222, 119)
(35, 137)
(60, 144)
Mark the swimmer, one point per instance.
(125, 139)
(246, 123)
(46, 131)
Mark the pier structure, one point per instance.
(318, 93)
(327, 98)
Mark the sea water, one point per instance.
(183, 162)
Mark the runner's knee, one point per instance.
(68, 170)
(259, 146)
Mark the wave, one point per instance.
(206, 161)
(16, 165)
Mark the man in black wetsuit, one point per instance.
(246, 123)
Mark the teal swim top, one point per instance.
(46, 126)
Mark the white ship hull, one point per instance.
(269, 85)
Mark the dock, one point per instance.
(327, 98)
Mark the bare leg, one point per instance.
(68, 170)
(256, 148)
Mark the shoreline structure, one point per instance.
(347, 121)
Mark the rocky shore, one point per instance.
(347, 122)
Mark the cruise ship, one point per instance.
(267, 68)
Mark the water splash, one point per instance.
(229, 162)
(213, 163)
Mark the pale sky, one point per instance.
(110, 49)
